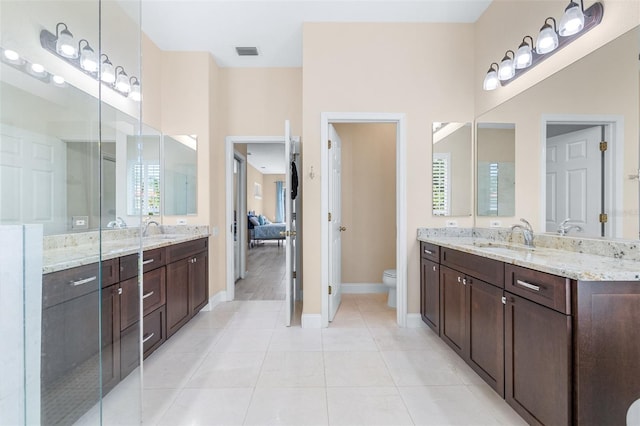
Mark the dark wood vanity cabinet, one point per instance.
(187, 283)
(430, 285)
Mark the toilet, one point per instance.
(389, 280)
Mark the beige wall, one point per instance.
(422, 70)
(269, 195)
(254, 177)
(496, 145)
(505, 22)
(585, 88)
(368, 200)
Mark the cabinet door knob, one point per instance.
(464, 281)
(434, 268)
(459, 279)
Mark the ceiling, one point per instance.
(267, 158)
(275, 27)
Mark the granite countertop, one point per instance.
(70, 250)
(570, 257)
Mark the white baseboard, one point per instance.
(415, 321)
(362, 288)
(311, 321)
(216, 299)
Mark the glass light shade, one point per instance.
(58, 80)
(65, 45)
(108, 75)
(88, 59)
(506, 70)
(491, 80)
(572, 21)
(135, 93)
(122, 83)
(11, 55)
(547, 40)
(37, 70)
(523, 57)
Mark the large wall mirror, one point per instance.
(495, 169)
(561, 172)
(180, 175)
(452, 165)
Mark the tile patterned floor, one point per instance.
(238, 365)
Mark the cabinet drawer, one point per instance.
(430, 251)
(189, 248)
(546, 289)
(58, 287)
(151, 260)
(153, 295)
(485, 269)
(154, 332)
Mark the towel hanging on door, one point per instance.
(294, 180)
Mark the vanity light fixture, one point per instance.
(135, 93)
(506, 71)
(84, 58)
(107, 72)
(11, 56)
(524, 54)
(572, 21)
(88, 58)
(58, 80)
(575, 22)
(547, 38)
(491, 80)
(64, 42)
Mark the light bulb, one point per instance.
(11, 55)
(65, 46)
(524, 57)
(37, 69)
(108, 75)
(506, 70)
(58, 80)
(88, 59)
(491, 81)
(135, 93)
(122, 83)
(572, 21)
(547, 39)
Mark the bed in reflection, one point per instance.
(261, 229)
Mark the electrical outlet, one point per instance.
(452, 224)
(79, 222)
(495, 224)
(181, 222)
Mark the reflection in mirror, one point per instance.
(495, 145)
(452, 166)
(143, 173)
(180, 175)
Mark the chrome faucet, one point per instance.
(565, 227)
(119, 223)
(146, 224)
(527, 232)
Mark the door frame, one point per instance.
(399, 119)
(614, 161)
(241, 223)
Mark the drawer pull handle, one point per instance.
(464, 281)
(429, 251)
(528, 285)
(434, 268)
(146, 262)
(146, 339)
(147, 295)
(84, 281)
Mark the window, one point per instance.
(145, 182)
(493, 188)
(441, 195)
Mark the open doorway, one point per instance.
(331, 278)
(581, 191)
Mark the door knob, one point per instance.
(342, 228)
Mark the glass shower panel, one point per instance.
(60, 130)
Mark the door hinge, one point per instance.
(603, 218)
(329, 217)
(504, 300)
(293, 274)
(329, 143)
(603, 146)
(293, 216)
(329, 289)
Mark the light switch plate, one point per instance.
(452, 224)
(79, 222)
(181, 222)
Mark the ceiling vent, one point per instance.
(247, 51)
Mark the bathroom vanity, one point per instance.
(175, 288)
(555, 332)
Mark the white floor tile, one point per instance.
(366, 406)
(241, 340)
(445, 405)
(348, 319)
(170, 370)
(386, 318)
(296, 339)
(347, 339)
(228, 370)
(208, 407)
(420, 368)
(254, 320)
(192, 340)
(288, 406)
(356, 369)
(400, 339)
(498, 406)
(292, 369)
(212, 319)
(261, 306)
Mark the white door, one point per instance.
(290, 233)
(574, 180)
(335, 223)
